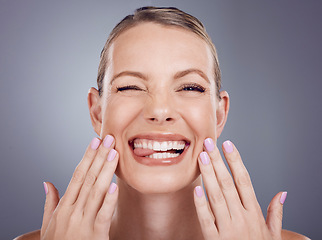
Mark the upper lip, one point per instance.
(160, 137)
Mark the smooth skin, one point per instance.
(159, 203)
(85, 211)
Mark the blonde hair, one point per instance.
(164, 16)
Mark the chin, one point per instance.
(157, 179)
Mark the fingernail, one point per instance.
(112, 188)
(199, 191)
(108, 140)
(204, 158)
(283, 197)
(228, 146)
(45, 187)
(95, 143)
(111, 155)
(209, 144)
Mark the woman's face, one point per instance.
(159, 91)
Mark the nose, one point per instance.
(160, 109)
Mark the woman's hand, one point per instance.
(86, 209)
(233, 211)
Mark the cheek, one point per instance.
(118, 114)
(200, 114)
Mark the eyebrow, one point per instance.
(176, 76)
(129, 73)
(190, 71)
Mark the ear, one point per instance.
(95, 109)
(222, 112)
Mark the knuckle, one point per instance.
(101, 153)
(201, 204)
(78, 175)
(279, 216)
(207, 223)
(90, 179)
(96, 193)
(226, 183)
(217, 198)
(103, 218)
(243, 180)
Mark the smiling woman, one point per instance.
(159, 110)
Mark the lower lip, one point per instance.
(159, 162)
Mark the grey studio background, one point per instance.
(270, 57)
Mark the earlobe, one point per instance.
(95, 110)
(222, 112)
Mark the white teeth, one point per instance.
(163, 155)
(156, 146)
(170, 144)
(159, 146)
(164, 146)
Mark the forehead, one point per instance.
(155, 48)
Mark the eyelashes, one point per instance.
(191, 87)
(128, 87)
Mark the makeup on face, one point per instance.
(158, 104)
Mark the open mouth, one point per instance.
(158, 152)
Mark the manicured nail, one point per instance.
(112, 188)
(111, 155)
(95, 143)
(228, 146)
(283, 197)
(204, 158)
(108, 140)
(45, 187)
(209, 144)
(199, 191)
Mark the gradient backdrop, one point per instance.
(270, 56)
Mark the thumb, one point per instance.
(52, 199)
(275, 215)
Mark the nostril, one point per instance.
(168, 119)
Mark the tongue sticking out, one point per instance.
(143, 152)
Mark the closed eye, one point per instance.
(128, 87)
(191, 87)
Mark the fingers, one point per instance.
(224, 179)
(79, 174)
(275, 215)
(52, 199)
(95, 169)
(216, 198)
(100, 188)
(241, 177)
(206, 219)
(104, 216)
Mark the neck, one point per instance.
(155, 216)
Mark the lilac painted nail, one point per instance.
(95, 143)
(283, 197)
(209, 144)
(45, 187)
(108, 140)
(112, 188)
(111, 155)
(199, 191)
(228, 146)
(204, 158)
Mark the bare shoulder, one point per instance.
(35, 235)
(289, 235)
(286, 235)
